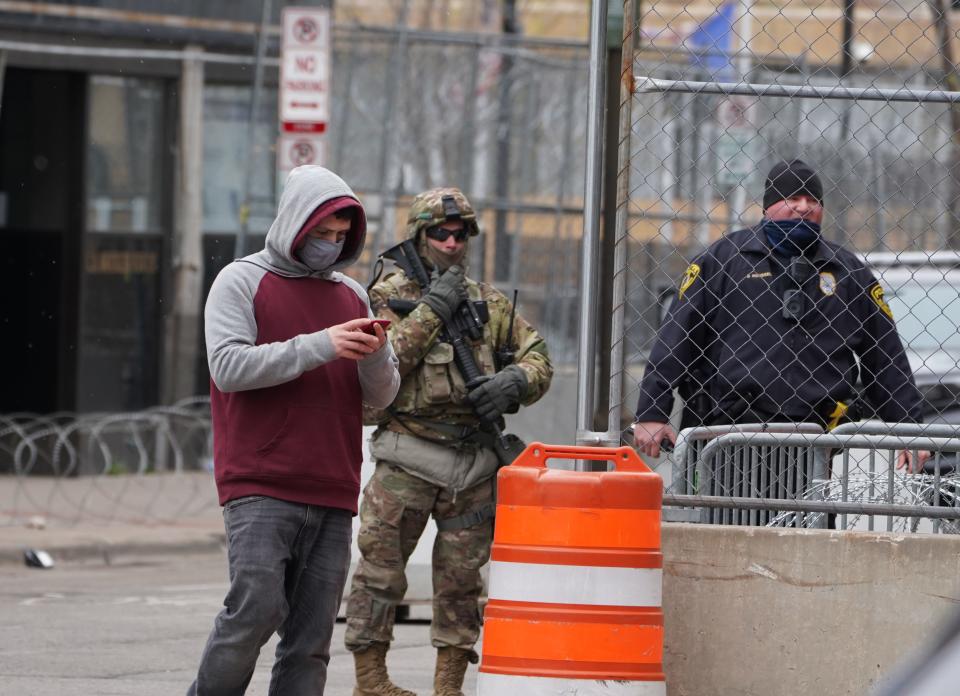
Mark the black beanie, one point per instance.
(792, 178)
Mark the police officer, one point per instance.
(775, 323)
(435, 446)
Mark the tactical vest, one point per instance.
(435, 387)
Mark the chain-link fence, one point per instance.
(818, 292)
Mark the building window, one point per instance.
(124, 154)
(226, 111)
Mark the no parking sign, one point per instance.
(304, 88)
(305, 66)
(295, 149)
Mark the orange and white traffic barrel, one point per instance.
(575, 579)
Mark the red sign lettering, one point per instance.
(307, 63)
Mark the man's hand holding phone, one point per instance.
(378, 328)
(382, 323)
(357, 338)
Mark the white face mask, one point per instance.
(320, 254)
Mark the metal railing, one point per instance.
(799, 477)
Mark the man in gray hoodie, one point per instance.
(293, 357)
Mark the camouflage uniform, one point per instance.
(422, 470)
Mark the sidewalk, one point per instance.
(97, 518)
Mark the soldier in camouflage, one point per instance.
(434, 449)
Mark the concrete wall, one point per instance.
(770, 612)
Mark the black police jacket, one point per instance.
(728, 334)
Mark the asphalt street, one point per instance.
(136, 627)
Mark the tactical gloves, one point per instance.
(447, 293)
(498, 394)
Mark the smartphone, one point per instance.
(384, 323)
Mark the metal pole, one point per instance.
(901, 94)
(846, 65)
(590, 256)
(880, 192)
(392, 122)
(829, 441)
(611, 134)
(115, 53)
(503, 252)
(562, 240)
(621, 234)
(421, 36)
(343, 122)
(842, 151)
(241, 242)
(467, 144)
(477, 259)
(744, 65)
(703, 135)
(794, 505)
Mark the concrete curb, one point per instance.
(107, 544)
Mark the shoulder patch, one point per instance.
(828, 283)
(876, 294)
(689, 277)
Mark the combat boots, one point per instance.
(451, 667)
(372, 679)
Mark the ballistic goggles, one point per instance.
(441, 234)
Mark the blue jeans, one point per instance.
(288, 565)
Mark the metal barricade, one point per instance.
(683, 462)
(691, 441)
(938, 486)
(803, 479)
(874, 427)
(749, 470)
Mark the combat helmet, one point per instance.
(436, 206)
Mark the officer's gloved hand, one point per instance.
(498, 394)
(447, 293)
